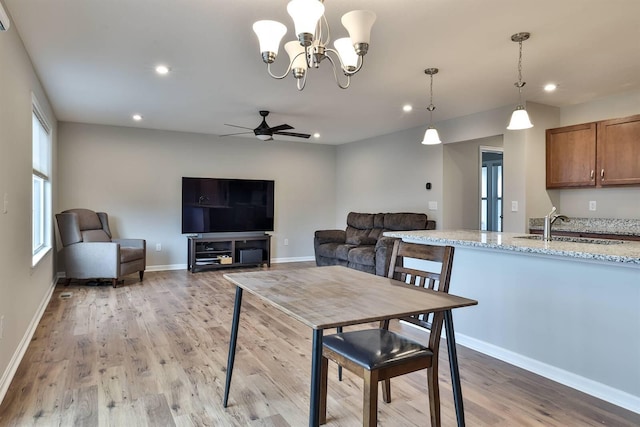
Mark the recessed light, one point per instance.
(137, 117)
(162, 69)
(550, 87)
(316, 135)
(407, 108)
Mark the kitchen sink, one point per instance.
(575, 239)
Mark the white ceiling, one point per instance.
(96, 59)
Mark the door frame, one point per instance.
(488, 149)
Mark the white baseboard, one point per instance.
(9, 373)
(585, 385)
(296, 259)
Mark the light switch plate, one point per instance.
(592, 205)
(433, 206)
(514, 206)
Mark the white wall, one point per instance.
(611, 202)
(23, 290)
(135, 176)
(389, 174)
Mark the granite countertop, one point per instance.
(625, 252)
(620, 227)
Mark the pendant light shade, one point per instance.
(431, 137)
(520, 119)
(305, 15)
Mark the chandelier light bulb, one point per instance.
(358, 23)
(297, 57)
(305, 15)
(269, 35)
(347, 53)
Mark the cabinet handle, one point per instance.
(602, 175)
(592, 174)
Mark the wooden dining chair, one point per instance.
(379, 354)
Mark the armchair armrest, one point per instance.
(131, 243)
(87, 260)
(330, 236)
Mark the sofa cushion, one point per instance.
(365, 255)
(364, 240)
(361, 221)
(335, 250)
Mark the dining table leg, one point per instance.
(453, 364)
(314, 396)
(232, 343)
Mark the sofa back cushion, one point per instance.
(405, 221)
(359, 229)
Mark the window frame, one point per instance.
(41, 218)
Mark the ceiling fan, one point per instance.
(265, 132)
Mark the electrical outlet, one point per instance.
(514, 206)
(592, 205)
(286, 242)
(158, 247)
(433, 206)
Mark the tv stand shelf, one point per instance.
(205, 253)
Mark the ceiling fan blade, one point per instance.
(279, 128)
(238, 133)
(298, 135)
(236, 126)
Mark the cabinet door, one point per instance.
(571, 156)
(619, 151)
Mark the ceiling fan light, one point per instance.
(264, 137)
(431, 137)
(520, 119)
(347, 53)
(358, 23)
(269, 35)
(305, 15)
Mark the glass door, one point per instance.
(491, 189)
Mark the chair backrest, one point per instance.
(432, 271)
(83, 225)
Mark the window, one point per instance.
(41, 185)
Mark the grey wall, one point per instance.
(135, 176)
(389, 174)
(23, 289)
(461, 199)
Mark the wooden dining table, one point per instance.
(337, 296)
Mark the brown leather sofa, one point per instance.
(361, 245)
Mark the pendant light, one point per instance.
(520, 117)
(431, 135)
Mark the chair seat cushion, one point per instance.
(130, 254)
(375, 348)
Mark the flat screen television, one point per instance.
(217, 205)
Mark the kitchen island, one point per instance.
(567, 310)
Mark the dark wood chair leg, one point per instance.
(434, 395)
(324, 368)
(115, 282)
(141, 274)
(370, 400)
(386, 391)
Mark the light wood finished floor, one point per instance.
(154, 354)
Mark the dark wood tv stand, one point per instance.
(205, 253)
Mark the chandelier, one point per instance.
(520, 118)
(313, 38)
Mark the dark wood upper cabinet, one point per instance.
(599, 154)
(571, 156)
(618, 151)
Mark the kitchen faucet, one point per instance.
(548, 222)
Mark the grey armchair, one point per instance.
(89, 251)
